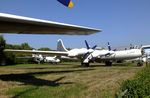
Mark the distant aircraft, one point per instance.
(24, 25)
(46, 59)
(107, 56)
(39, 58)
(67, 3)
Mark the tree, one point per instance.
(2, 44)
(2, 47)
(44, 49)
(5, 58)
(25, 46)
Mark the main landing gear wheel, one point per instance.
(85, 64)
(108, 63)
(140, 64)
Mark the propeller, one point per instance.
(90, 50)
(88, 56)
(110, 50)
(109, 47)
(88, 47)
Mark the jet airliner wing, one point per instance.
(37, 52)
(24, 25)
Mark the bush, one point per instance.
(9, 59)
(139, 87)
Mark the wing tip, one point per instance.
(71, 5)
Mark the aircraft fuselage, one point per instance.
(121, 55)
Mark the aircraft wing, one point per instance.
(145, 47)
(24, 25)
(61, 53)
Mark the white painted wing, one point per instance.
(37, 52)
(24, 25)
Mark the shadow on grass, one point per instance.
(51, 67)
(58, 67)
(30, 79)
(114, 64)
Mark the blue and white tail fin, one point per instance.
(60, 46)
(109, 47)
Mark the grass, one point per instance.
(47, 92)
(64, 80)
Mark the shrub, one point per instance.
(139, 87)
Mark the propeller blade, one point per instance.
(94, 47)
(87, 57)
(109, 48)
(87, 45)
(67, 3)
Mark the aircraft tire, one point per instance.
(140, 64)
(108, 63)
(85, 64)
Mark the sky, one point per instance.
(123, 22)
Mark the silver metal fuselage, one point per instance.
(121, 55)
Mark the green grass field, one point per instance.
(66, 80)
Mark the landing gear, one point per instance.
(140, 63)
(108, 63)
(85, 64)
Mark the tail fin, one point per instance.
(109, 48)
(67, 3)
(60, 46)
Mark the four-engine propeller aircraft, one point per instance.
(24, 25)
(108, 56)
(86, 55)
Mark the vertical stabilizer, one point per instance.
(60, 46)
